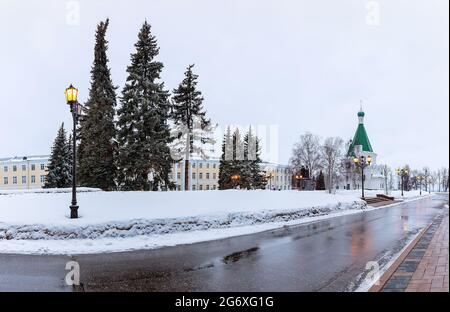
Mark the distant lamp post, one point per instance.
(235, 178)
(402, 173)
(362, 162)
(299, 178)
(76, 110)
(269, 176)
(420, 178)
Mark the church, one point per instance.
(360, 146)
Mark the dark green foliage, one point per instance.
(59, 169)
(320, 182)
(241, 158)
(194, 129)
(143, 130)
(97, 147)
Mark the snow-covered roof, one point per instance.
(25, 158)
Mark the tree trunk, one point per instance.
(186, 175)
(186, 161)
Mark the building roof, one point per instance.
(360, 138)
(25, 158)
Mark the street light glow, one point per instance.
(71, 94)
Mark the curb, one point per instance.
(391, 270)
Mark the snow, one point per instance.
(37, 222)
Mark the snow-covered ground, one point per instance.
(117, 221)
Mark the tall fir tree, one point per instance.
(226, 161)
(320, 182)
(97, 149)
(241, 158)
(252, 155)
(143, 129)
(59, 169)
(192, 129)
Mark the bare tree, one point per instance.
(439, 179)
(332, 158)
(445, 179)
(306, 152)
(387, 173)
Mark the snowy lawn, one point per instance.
(117, 221)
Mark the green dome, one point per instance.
(361, 114)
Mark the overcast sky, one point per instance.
(299, 65)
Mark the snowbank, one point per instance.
(122, 214)
(38, 222)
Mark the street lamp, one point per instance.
(362, 162)
(298, 178)
(420, 179)
(76, 109)
(269, 176)
(402, 173)
(235, 178)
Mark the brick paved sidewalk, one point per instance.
(426, 267)
(432, 271)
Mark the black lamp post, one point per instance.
(402, 173)
(362, 162)
(269, 176)
(420, 179)
(298, 179)
(235, 179)
(75, 108)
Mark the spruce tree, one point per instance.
(59, 169)
(143, 130)
(252, 154)
(320, 182)
(233, 162)
(97, 147)
(193, 129)
(225, 165)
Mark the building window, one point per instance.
(24, 167)
(207, 165)
(14, 180)
(33, 167)
(193, 175)
(200, 165)
(178, 175)
(214, 187)
(193, 187)
(214, 175)
(42, 178)
(207, 187)
(193, 165)
(5, 168)
(42, 167)
(200, 187)
(24, 179)
(5, 180)
(214, 166)
(207, 175)
(14, 168)
(33, 179)
(200, 175)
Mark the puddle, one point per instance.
(234, 257)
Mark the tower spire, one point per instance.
(361, 113)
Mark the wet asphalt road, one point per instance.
(327, 255)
